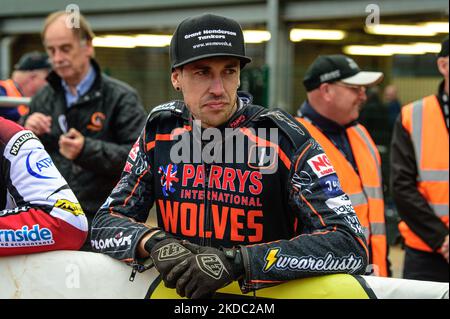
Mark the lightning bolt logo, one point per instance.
(271, 258)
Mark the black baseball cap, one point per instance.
(444, 48)
(206, 36)
(338, 67)
(33, 61)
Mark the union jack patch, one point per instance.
(168, 177)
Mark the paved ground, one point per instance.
(396, 256)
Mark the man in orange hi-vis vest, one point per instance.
(336, 90)
(28, 77)
(419, 177)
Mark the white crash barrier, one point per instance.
(393, 288)
(72, 274)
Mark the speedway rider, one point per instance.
(268, 217)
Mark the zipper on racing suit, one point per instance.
(139, 268)
(207, 218)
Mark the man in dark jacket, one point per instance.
(258, 188)
(419, 179)
(86, 120)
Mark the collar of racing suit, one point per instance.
(237, 119)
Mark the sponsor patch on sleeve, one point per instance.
(22, 139)
(331, 185)
(340, 204)
(321, 165)
(275, 260)
(128, 167)
(73, 208)
(354, 223)
(27, 236)
(134, 151)
(120, 242)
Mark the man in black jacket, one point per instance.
(247, 179)
(86, 120)
(419, 178)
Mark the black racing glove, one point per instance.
(166, 252)
(209, 269)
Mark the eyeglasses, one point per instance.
(355, 88)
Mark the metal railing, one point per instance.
(6, 101)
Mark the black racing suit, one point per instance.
(279, 202)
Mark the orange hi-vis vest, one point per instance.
(13, 91)
(365, 190)
(424, 122)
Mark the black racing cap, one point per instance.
(444, 48)
(206, 36)
(338, 67)
(33, 61)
